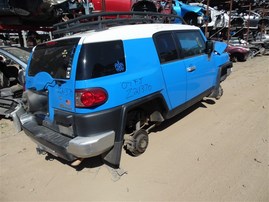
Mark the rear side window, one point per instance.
(54, 57)
(101, 59)
(191, 43)
(166, 47)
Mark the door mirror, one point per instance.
(209, 47)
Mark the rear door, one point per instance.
(52, 72)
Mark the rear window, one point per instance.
(100, 59)
(54, 58)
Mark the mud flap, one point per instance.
(112, 157)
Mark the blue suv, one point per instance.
(95, 92)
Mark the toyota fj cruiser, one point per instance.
(94, 92)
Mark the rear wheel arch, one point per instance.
(140, 118)
(152, 108)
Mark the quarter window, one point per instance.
(101, 59)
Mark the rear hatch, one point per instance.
(51, 77)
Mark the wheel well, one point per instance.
(151, 111)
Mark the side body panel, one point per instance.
(141, 78)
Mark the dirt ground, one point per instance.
(215, 151)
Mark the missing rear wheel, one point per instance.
(137, 143)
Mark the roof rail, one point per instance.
(104, 20)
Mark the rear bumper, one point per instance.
(85, 147)
(66, 147)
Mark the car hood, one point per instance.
(189, 8)
(220, 47)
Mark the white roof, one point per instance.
(127, 32)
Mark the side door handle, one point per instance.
(191, 68)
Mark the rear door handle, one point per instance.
(191, 69)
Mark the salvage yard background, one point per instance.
(215, 151)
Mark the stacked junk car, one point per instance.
(107, 76)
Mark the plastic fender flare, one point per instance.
(220, 77)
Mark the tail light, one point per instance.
(90, 97)
(51, 43)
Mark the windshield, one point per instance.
(23, 55)
(54, 57)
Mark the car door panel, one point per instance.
(198, 66)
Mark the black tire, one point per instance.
(139, 143)
(240, 58)
(233, 58)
